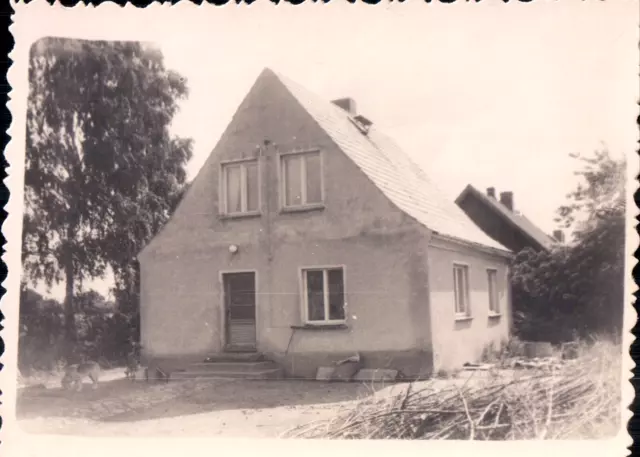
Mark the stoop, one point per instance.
(228, 366)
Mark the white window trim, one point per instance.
(304, 295)
(243, 187)
(303, 180)
(493, 312)
(467, 293)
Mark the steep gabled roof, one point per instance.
(391, 170)
(514, 219)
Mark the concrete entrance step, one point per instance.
(235, 357)
(231, 365)
(271, 373)
(240, 367)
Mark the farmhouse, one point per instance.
(309, 236)
(500, 220)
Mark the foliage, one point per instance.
(577, 290)
(102, 170)
(104, 334)
(600, 196)
(41, 324)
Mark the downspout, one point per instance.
(264, 151)
(266, 226)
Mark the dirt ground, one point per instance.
(207, 408)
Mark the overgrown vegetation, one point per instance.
(578, 289)
(576, 399)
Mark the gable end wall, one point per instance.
(359, 228)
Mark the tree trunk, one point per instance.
(69, 314)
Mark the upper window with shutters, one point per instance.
(301, 181)
(240, 188)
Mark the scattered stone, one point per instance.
(373, 374)
(536, 349)
(345, 371)
(570, 351)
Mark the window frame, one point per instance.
(304, 206)
(493, 312)
(466, 313)
(223, 188)
(325, 284)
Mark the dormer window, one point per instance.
(301, 183)
(240, 188)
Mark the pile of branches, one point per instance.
(579, 400)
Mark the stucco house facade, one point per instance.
(308, 236)
(499, 219)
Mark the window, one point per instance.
(461, 290)
(240, 187)
(494, 304)
(302, 180)
(324, 295)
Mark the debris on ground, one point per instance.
(537, 349)
(546, 363)
(477, 366)
(341, 370)
(346, 369)
(352, 359)
(570, 401)
(570, 351)
(375, 375)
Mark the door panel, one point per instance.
(240, 311)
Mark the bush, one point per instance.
(577, 290)
(103, 334)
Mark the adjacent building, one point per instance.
(498, 218)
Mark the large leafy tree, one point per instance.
(102, 170)
(577, 290)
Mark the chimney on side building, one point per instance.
(347, 104)
(491, 192)
(558, 235)
(506, 198)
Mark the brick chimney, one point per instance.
(347, 104)
(506, 198)
(491, 192)
(558, 235)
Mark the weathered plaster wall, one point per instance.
(458, 341)
(384, 251)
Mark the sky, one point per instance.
(487, 94)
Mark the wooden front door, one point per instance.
(240, 311)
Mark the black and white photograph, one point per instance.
(401, 222)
